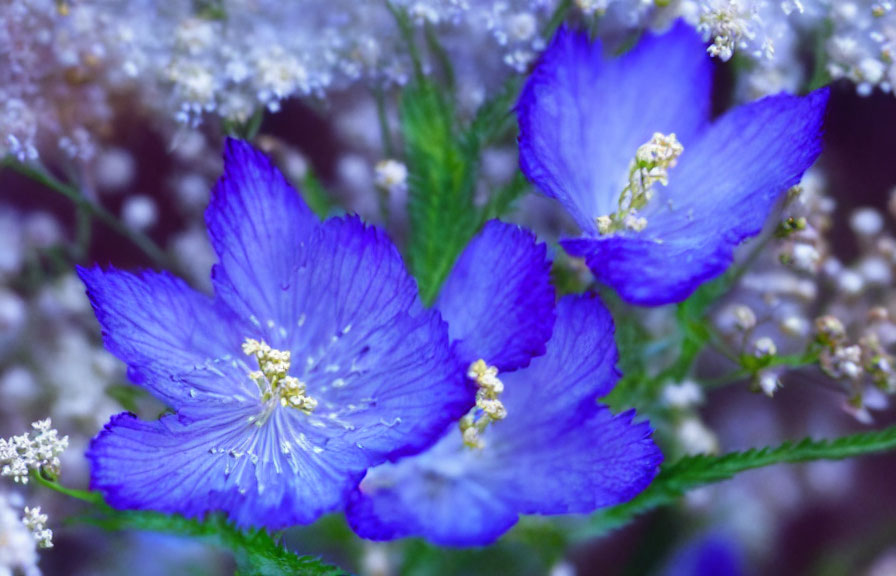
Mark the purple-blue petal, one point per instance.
(722, 191)
(712, 554)
(556, 452)
(219, 464)
(158, 326)
(587, 461)
(498, 300)
(583, 114)
(376, 359)
(422, 496)
(258, 225)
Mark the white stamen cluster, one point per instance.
(36, 522)
(490, 387)
(273, 379)
(651, 165)
(36, 451)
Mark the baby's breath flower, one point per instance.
(391, 176)
(35, 521)
(37, 451)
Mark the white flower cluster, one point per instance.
(18, 552)
(863, 43)
(35, 451)
(69, 61)
(770, 33)
(36, 521)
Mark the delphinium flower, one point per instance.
(662, 196)
(314, 361)
(553, 450)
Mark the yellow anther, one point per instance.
(651, 165)
(273, 379)
(489, 388)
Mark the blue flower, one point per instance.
(314, 361)
(661, 194)
(710, 554)
(555, 451)
(498, 299)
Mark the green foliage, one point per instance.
(255, 551)
(506, 557)
(315, 195)
(443, 162)
(441, 176)
(692, 472)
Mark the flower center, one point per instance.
(273, 379)
(651, 165)
(488, 408)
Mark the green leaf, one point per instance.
(256, 552)
(315, 195)
(692, 472)
(441, 177)
(495, 118)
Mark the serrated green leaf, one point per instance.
(255, 551)
(692, 472)
(440, 181)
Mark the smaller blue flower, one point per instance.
(710, 554)
(661, 194)
(555, 451)
(314, 361)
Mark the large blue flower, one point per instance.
(315, 361)
(556, 451)
(662, 196)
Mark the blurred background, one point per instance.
(112, 122)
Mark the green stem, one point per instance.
(382, 116)
(407, 34)
(41, 176)
(82, 495)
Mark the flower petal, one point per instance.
(578, 456)
(410, 499)
(582, 115)
(558, 451)
(587, 461)
(158, 326)
(498, 300)
(257, 224)
(578, 367)
(219, 464)
(380, 365)
(721, 192)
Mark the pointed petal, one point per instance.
(582, 115)
(498, 300)
(218, 464)
(257, 224)
(380, 365)
(158, 326)
(721, 192)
